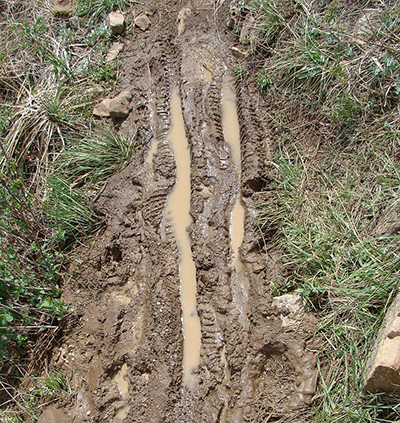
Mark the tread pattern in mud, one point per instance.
(247, 361)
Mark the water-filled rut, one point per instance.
(177, 211)
(232, 137)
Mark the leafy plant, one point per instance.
(29, 268)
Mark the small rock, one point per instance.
(95, 91)
(248, 24)
(182, 16)
(382, 371)
(74, 22)
(115, 49)
(239, 53)
(291, 309)
(62, 8)
(102, 109)
(116, 22)
(116, 107)
(119, 106)
(142, 21)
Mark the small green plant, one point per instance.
(240, 72)
(30, 269)
(98, 9)
(43, 389)
(264, 82)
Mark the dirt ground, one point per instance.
(257, 362)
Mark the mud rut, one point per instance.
(125, 359)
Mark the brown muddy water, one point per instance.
(123, 386)
(230, 125)
(177, 212)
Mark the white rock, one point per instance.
(102, 109)
(182, 16)
(291, 308)
(116, 22)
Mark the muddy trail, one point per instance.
(176, 321)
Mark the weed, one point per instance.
(29, 268)
(240, 73)
(98, 9)
(78, 173)
(92, 159)
(41, 122)
(40, 390)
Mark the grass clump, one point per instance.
(341, 259)
(38, 391)
(330, 74)
(98, 9)
(79, 173)
(53, 162)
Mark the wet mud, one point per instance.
(250, 355)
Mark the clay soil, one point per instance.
(125, 286)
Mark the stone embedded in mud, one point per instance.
(382, 373)
(114, 50)
(62, 8)
(116, 22)
(102, 109)
(119, 106)
(240, 54)
(142, 21)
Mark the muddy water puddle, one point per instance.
(123, 386)
(177, 212)
(230, 125)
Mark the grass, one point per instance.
(39, 390)
(327, 210)
(53, 161)
(331, 72)
(79, 173)
(98, 9)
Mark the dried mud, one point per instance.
(125, 357)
